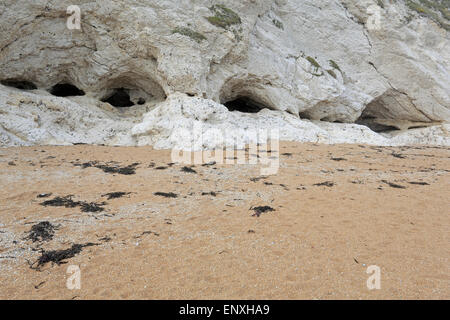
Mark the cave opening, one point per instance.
(120, 98)
(374, 124)
(19, 84)
(304, 115)
(66, 90)
(244, 104)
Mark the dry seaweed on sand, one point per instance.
(211, 193)
(69, 203)
(420, 183)
(325, 184)
(42, 231)
(115, 195)
(61, 202)
(256, 179)
(127, 170)
(91, 206)
(59, 256)
(166, 194)
(260, 210)
(85, 164)
(188, 170)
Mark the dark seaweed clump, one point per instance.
(42, 231)
(257, 179)
(166, 195)
(261, 209)
(127, 170)
(325, 184)
(61, 202)
(420, 183)
(211, 193)
(188, 170)
(59, 256)
(69, 203)
(115, 195)
(91, 206)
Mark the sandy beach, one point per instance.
(140, 227)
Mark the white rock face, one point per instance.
(181, 122)
(320, 59)
(187, 123)
(39, 118)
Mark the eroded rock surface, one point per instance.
(317, 59)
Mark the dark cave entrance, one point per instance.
(19, 84)
(120, 98)
(372, 124)
(66, 90)
(244, 104)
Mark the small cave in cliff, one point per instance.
(66, 90)
(305, 115)
(120, 98)
(372, 123)
(19, 84)
(244, 104)
(131, 90)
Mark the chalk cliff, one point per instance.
(368, 71)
